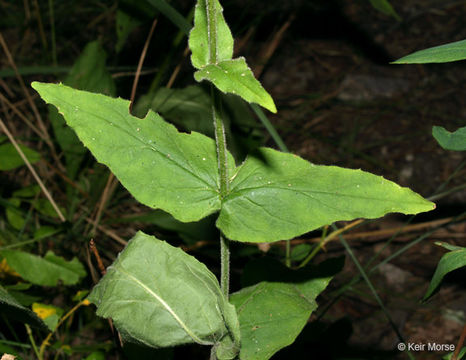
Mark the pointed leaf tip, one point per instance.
(235, 77)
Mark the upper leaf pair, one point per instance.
(273, 196)
(211, 44)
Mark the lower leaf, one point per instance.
(272, 314)
(160, 296)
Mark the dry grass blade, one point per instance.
(177, 69)
(21, 116)
(272, 46)
(45, 136)
(141, 61)
(109, 233)
(31, 169)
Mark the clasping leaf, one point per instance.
(160, 296)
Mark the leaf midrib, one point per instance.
(165, 305)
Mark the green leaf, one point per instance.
(10, 159)
(211, 44)
(160, 296)
(125, 24)
(277, 196)
(96, 355)
(88, 73)
(385, 7)
(454, 51)
(160, 167)
(14, 214)
(450, 261)
(448, 246)
(189, 110)
(27, 192)
(450, 140)
(11, 308)
(273, 196)
(235, 77)
(45, 207)
(272, 314)
(49, 314)
(209, 34)
(46, 271)
(300, 251)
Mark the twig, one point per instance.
(141, 61)
(328, 238)
(460, 344)
(61, 321)
(94, 250)
(109, 186)
(272, 46)
(31, 169)
(109, 233)
(46, 136)
(31, 339)
(384, 232)
(14, 108)
(177, 69)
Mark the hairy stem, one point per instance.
(220, 140)
(212, 30)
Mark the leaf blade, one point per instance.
(277, 196)
(175, 289)
(450, 261)
(10, 159)
(46, 271)
(450, 140)
(454, 51)
(235, 77)
(272, 313)
(208, 30)
(88, 73)
(11, 308)
(159, 166)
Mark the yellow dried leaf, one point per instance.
(43, 311)
(6, 270)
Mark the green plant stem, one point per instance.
(212, 31)
(33, 343)
(222, 154)
(61, 321)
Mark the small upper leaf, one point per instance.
(161, 167)
(235, 77)
(161, 296)
(211, 44)
(450, 140)
(210, 33)
(454, 51)
(277, 196)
